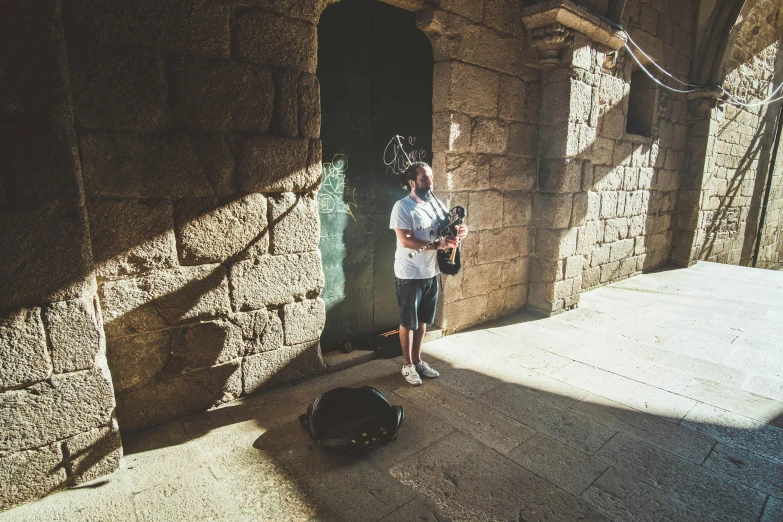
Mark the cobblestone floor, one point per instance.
(660, 398)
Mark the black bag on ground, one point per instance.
(352, 420)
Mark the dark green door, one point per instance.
(375, 71)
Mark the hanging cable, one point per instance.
(734, 100)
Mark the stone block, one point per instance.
(276, 280)
(637, 226)
(28, 475)
(591, 277)
(465, 88)
(303, 321)
(616, 228)
(483, 210)
(517, 208)
(600, 254)
(611, 90)
(610, 272)
(286, 104)
(24, 357)
(559, 141)
(46, 255)
(75, 333)
(116, 88)
(471, 172)
(505, 173)
(511, 99)
(515, 271)
(546, 270)
(262, 330)
(505, 301)
(481, 279)
(136, 361)
(522, 140)
(185, 28)
(285, 365)
(621, 249)
(164, 299)
(580, 99)
(591, 233)
(608, 204)
(308, 10)
(131, 237)
(190, 392)
(40, 165)
(213, 230)
(552, 210)
(555, 99)
(153, 166)
(58, 408)
(276, 164)
(94, 453)
(612, 124)
(488, 136)
(295, 223)
(465, 313)
(267, 38)
(500, 245)
(309, 106)
(451, 132)
(559, 175)
(602, 151)
(573, 267)
(593, 206)
(469, 9)
(555, 244)
(608, 178)
(579, 209)
(223, 96)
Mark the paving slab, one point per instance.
(659, 398)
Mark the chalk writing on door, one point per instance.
(394, 159)
(335, 195)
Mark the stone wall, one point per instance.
(635, 178)
(198, 127)
(485, 110)
(56, 400)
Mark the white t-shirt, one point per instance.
(423, 219)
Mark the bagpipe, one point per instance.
(449, 261)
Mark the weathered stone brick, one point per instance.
(579, 209)
(286, 119)
(147, 166)
(276, 164)
(608, 205)
(58, 408)
(559, 175)
(295, 223)
(515, 271)
(573, 267)
(75, 333)
(23, 354)
(511, 102)
(190, 392)
(118, 89)
(590, 234)
(135, 361)
(450, 132)
(591, 277)
(608, 178)
(213, 230)
(483, 210)
(610, 271)
(552, 210)
(267, 38)
(94, 453)
(559, 141)
(46, 255)
(303, 321)
(616, 228)
(276, 280)
(488, 136)
(465, 313)
(612, 124)
(221, 96)
(164, 299)
(593, 205)
(481, 279)
(278, 367)
(309, 106)
(268, 333)
(183, 27)
(506, 301)
(31, 474)
(522, 140)
(465, 88)
(500, 245)
(517, 208)
(505, 173)
(205, 344)
(469, 9)
(621, 249)
(555, 243)
(469, 172)
(131, 237)
(546, 270)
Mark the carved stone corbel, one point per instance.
(550, 40)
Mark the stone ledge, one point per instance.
(570, 15)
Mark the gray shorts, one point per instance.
(417, 299)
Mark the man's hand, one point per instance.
(462, 231)
(447, 242)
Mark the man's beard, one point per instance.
(423, 192)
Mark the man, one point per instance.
(415, 219)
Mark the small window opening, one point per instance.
(641, 104)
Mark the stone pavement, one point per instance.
(660, 398)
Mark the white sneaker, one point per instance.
(410, 374)
(425, 370)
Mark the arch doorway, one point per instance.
(375, 70)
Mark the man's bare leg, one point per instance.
(418, 339)
(406, 342)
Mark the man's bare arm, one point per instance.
(408, 241)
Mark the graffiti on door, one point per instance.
(335, 195)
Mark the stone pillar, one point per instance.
(572, 46)
(699, 163)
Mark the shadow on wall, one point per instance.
(488, 430)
